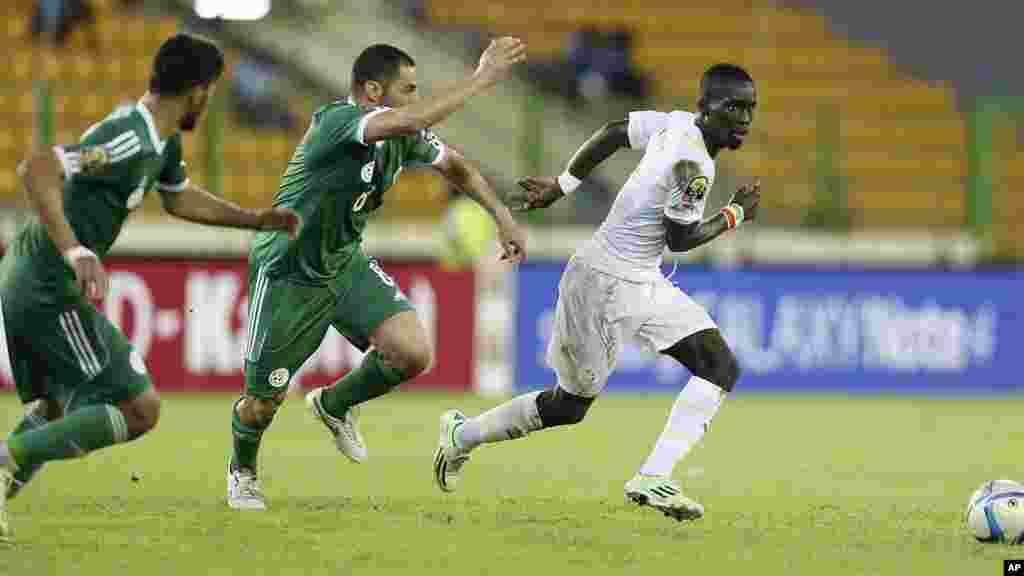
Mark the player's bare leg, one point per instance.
(513, 419)
(250, 418)
(715, 372)
(400, 350)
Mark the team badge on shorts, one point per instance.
(367, 172)
(697, 189)
(137, 363)
(278, 378)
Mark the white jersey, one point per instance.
(630, 243)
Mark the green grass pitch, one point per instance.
(793, 486)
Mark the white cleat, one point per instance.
(663, 494)
(448, 458)
(244, 492)
(6, 481)
(345, 429)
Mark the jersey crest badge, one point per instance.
(93, 158)
(697, 189)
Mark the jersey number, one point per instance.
(360, 202)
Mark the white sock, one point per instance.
(695, 406)
(513, 419)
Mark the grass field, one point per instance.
(792, 485)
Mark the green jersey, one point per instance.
(106, 175)
(335, 180)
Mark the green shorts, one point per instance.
(288, 320)
(69, 352)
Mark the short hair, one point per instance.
(720, 75)
(183, 62)
(379, 63)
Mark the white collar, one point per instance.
(147, 116)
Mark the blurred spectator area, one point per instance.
(260, 128)
(835, 119)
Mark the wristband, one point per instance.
(568, 183)
(73, 254)
(733, 215)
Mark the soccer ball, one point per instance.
(995, 512)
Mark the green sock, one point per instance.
(76, 434)
(371, 379)
(246, 442)
(31, 421)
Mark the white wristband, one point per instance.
(568, 183)
(72, 254)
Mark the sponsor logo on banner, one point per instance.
(819, 330)
(187, 320)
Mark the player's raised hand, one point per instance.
(281, 219)
(749, 197)
(90, 276)
(499, 58)
(536, 193)
(512, 239)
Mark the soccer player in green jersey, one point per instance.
(351, 154)
(84, 386)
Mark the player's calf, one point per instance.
(557, 407)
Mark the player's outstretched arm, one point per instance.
(544, 191)
(683, 236)
(41, 176)
(197, 205)
(495, 64)
(465, 176)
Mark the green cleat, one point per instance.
(663, 494)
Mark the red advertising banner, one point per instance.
(188, 319)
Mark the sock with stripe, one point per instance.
(513, 419)
(31, 421)
(246, 442)
(84, 430)
(371, 379)
(696, 405)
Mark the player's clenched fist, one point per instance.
(748, 197)
(502, 54)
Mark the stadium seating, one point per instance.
(898, 142)
(86, 85)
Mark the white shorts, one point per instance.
(597, 313)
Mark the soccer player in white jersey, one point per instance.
(613, 289)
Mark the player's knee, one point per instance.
(726, 370)
(141, 414)
(413, 358)
(259, 412)
(559, 408)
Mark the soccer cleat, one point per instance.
(664, 494)
(345, 429)
(449, 458)
(6, 481)
(244, 492)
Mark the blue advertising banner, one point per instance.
(820, 330)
